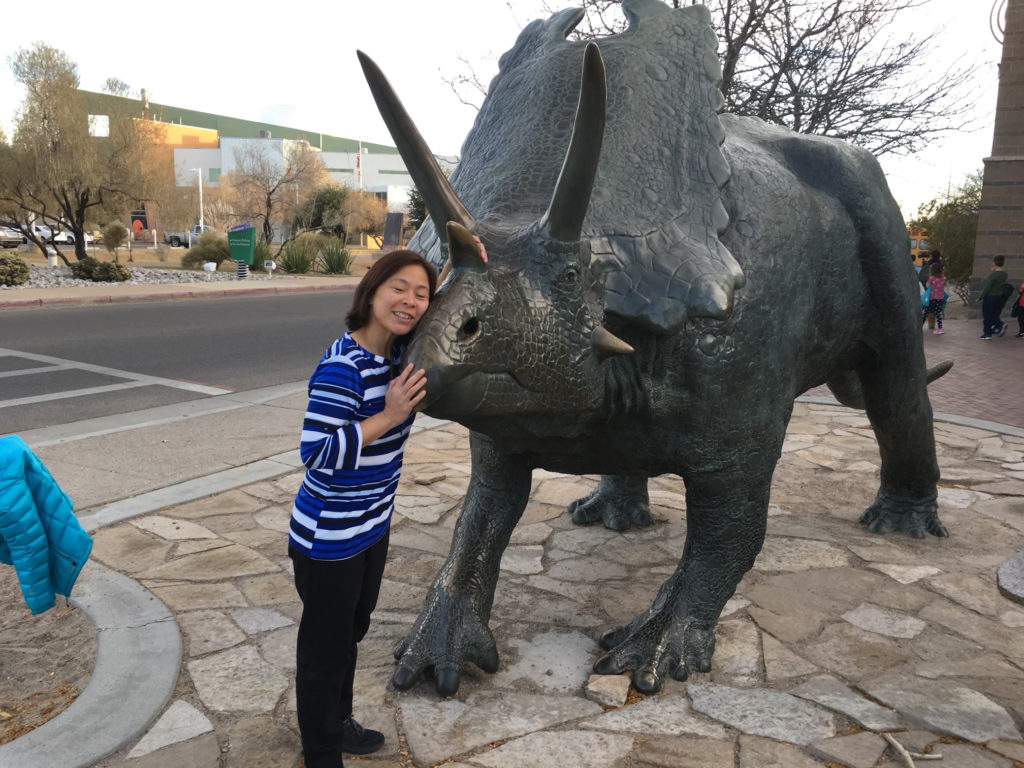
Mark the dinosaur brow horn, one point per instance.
(463, 249)
(442, 203)
(564, 217)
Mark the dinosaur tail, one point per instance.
(846, 386)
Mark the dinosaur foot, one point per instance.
(447, 634)
(888, 514)
(620, 509)
(655, 645)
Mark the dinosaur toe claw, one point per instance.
(446, 681)
(403, 677)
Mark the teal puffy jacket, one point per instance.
(39, 533)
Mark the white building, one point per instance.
(383, 174)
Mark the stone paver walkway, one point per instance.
(835, 636)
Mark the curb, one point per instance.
(121, 699)
(173, 296)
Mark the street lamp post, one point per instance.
(199, 178)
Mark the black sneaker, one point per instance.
(1002, 330)
(356, 740)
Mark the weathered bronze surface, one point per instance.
(662, 281)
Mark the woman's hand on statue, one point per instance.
(404, 392)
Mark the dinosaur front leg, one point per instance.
(452, 627)
(726, 516)
(621, 502)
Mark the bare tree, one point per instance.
(842, 68)
(60, 166)
(365, 213)
(341, 211)
(268, 185)
(951, 221)
(838, 68)
(466, 85)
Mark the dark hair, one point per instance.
(935, 255)
(377, 275)
(999, 260)
(936, 268)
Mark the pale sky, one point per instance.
(298, 67)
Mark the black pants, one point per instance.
(338, 597)
(991, 306)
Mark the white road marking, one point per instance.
(71, 393)
(45, 369)
(161, 414)
(138, 379)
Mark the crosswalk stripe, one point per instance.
(72, 393)
(141, 379)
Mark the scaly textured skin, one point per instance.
(743, 263)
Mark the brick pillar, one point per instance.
(1001, 223)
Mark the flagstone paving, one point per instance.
(835, 637)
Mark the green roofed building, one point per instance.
(209, 142)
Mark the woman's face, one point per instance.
(400, 301)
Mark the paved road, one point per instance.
(77, 363)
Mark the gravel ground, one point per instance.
(41, 276)
(45, 660)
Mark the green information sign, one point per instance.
(242, 243)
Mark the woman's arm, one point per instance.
(404, 392)
(331, 437)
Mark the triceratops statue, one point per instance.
(661, 282)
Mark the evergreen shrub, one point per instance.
(212, 246)
(110, 272)
(13, 269)
(84, 269)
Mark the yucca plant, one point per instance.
(335, 257)
(297, 258)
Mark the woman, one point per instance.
(353, 437)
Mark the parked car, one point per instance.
(10, 238)
(175, 239)
(69, 238)
(42, 231)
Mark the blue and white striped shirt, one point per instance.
(344, 505)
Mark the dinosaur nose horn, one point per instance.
(605, 343)
(442, 203)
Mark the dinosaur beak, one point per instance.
(424, 352)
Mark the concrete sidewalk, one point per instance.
(834, 638)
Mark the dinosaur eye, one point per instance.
(469, 328)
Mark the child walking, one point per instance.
(936, 286)
(992, 299)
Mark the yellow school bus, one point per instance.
(920, 248)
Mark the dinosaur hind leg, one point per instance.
(846, 386)
(621, 502)
(896, 401)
